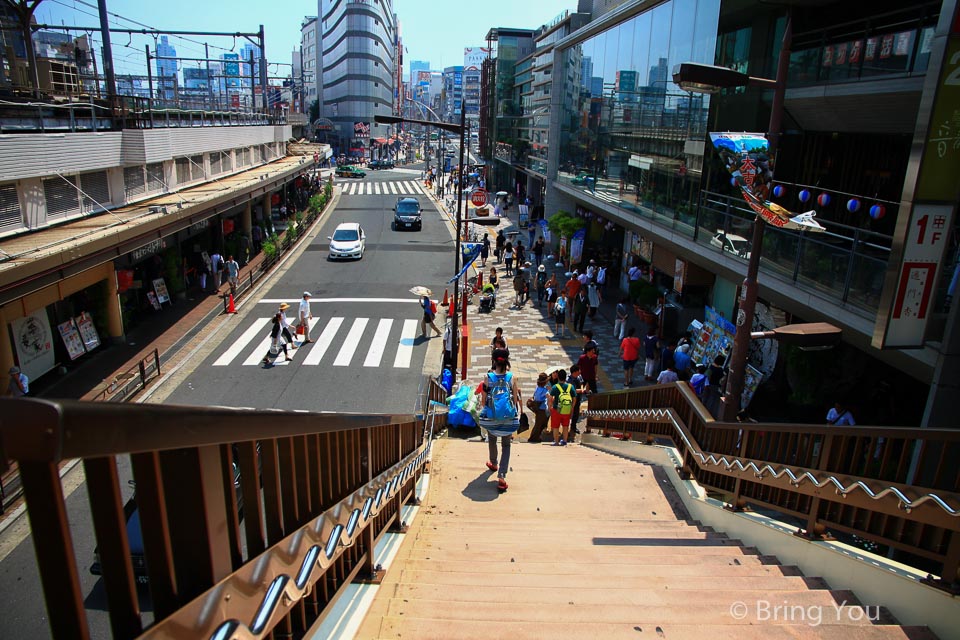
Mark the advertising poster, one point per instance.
(88, 332)
(524, 220)
(33, 340)
(751, 380)
(71, 339)
(161, 288)
(152, 297)
(576, 246)
(716, 335)
(545, 230)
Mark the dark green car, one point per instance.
(581, 178)
(350, 171)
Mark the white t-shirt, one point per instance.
(304, 312)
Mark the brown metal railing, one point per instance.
(125, 385)
(312, 492)
(898, 487)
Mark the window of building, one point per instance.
(155, 181)
(95, 191)
(11, 217)
(133, 183)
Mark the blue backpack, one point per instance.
(500, 396)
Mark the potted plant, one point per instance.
(563, 224)
(645, 297)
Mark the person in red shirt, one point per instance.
(588, 366)
(572, 287)
(629, 353)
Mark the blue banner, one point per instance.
(470, 250)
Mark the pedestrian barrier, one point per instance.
(897, 488)
(313, 493)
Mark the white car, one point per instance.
(737, 245)
(347, 241)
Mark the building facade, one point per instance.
(452, 93)
(629, 154)
(310, 52)
(358, 46)
(473, 58)
(166, 69)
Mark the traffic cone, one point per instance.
(452, 309)
(446, 300)
(230, 307)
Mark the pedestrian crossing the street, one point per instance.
(338, 342)
(384, 188)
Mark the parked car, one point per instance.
(380, 164)
(737, 245)
(407, 214)
(350, 171)
(347, 241)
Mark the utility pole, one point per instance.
(111, 80)
(206, 54)
(263, 68)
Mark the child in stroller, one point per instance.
(488, 298)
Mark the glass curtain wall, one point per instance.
(625, 126)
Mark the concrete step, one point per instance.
(430, 628)
(440, 523)
(570, 568)
(644, 614)
(625, 546)
(548, 555)
(467, 594)
(766, 577)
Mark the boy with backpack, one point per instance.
(564, 396)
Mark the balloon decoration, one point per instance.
(733, 182)
(823, 199)
(804, 195)
(853, 205)
(779, 190)
(877, 211)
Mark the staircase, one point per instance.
(586, 545)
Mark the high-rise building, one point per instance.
(452, 93)
(358, 66)
(166, 69)
(310, 53)
(246, 78)
(473, 58)
(418, 65)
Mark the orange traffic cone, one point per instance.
(446, 300)
(451, 310)
(230, 307)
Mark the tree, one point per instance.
(563, 225)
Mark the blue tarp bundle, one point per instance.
(461, 404)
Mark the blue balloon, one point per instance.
(804, 195)
(853, 205)
(778, 190)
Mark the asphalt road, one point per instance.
(381, 374)
(368, 354)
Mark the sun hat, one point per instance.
(284, 305)
(541, 268)
(307, 294)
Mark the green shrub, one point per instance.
(271, 246)
(643, 293)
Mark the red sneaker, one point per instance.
(491, 466)
(502, 484)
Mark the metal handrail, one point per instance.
(797, 477)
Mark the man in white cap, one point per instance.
(19, 383)
(305, 316)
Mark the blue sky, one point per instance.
(436, 31)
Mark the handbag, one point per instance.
(300, 329)
(524, 423)
(532, 404)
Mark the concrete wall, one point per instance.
(875, 580)
(41, 154)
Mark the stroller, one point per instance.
(488, 299)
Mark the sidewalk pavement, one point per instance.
(529, 331)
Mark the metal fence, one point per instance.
(898, 487)
(252, 521)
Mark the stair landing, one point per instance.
(586, 545)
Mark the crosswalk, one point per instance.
(384, 188)
(338, 342)
(609, 196)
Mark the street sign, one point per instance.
(478, 197)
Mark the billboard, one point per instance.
(473, 57)
(361, 129)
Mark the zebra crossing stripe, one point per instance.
(379, 344)
(376, 188)
(230, 354)
(351, 342)
(405, 350)
(323, 342)
(293, 352)
(393, 187)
